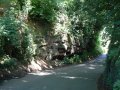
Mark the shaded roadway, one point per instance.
(75, 77)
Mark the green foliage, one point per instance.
(85, 26)
(84, 56)
(7, 62)
(112, 64)
(72, 60)
(44, 9)
(16, 39)
(10, 29)
(116, 85)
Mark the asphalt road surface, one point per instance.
(75, 77)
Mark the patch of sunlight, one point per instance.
(116, 42)
(42, 73)
(35, 66)
(91, 68)
(80, 65)
(24, 81)
(72, 77)
(104, 38)
(106, 48)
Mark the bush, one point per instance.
(116, 85)
(43, 9)
(7, 62)
(16, 39)
(84, 55)
(72, 60)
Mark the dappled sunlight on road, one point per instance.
(43, 73)
(91, 67)
(24, 81)
(72, 77)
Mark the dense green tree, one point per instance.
(16, 39)
(43, 9)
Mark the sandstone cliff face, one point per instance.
(54, 41)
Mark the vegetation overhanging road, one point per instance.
(76, 77)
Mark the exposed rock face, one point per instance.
(54, 42)
(57, 50)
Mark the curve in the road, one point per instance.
(76, 77)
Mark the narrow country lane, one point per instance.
(76, 77)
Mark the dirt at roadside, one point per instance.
(22, 70)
